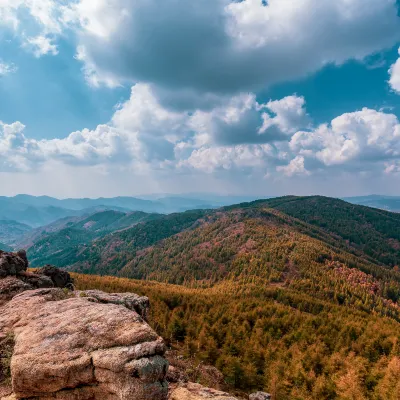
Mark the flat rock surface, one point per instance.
(68, 346)
(194, 391)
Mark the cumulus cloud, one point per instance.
(393, 168)
(143, 131)
(276, 137)
(45, 14)
(209, 159)
(366, 140)
(242, 120)
(93, 77)
(220, 46)
(16, 151)
(394, 72)
(367, 136)
(140, 130)
(295, 167)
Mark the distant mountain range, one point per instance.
(39, 211)
(23, 213)
(23, 218)
(389, 203)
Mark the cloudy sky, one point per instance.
(260, 97)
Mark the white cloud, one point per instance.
(41, 45)
(242, 120)
(209, 159)
(16, 151)
(366, 135)
(38, 32)
(275, 138)
(94, 77)
(216, 49)
(290, 115)
(142, 131)
(394, 72)
(45, 14)
(295, 167)
(6, 68)
(219, 46)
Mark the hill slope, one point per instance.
(63, 241)
(365, 232)
(11, 231)
(281, 340)
(338, 251)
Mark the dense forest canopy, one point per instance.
(279, 339)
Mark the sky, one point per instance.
(251, 97)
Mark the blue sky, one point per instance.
(50, 95)
(124, 98)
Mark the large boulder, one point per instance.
(11, 286)
(194, 391)
(15, 278)
(60, 278)
(132, 301)
(79, 346)
(12, 264)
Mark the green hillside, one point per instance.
(373, 231)
(111, 253)
(369, 234)
(63, 247)
(301, 243)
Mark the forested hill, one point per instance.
(221, 237)
(374, 231)
(333, 249)
(61, 243)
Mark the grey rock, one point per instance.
(260, 396)
(60, 278)
(36, 281)
(131, 301)
(12, 263)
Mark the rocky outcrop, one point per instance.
(60, 278)
(15, 278)
(79, 345)
(194, 391)
(12, 264)
(132, 301)
(10, 286)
